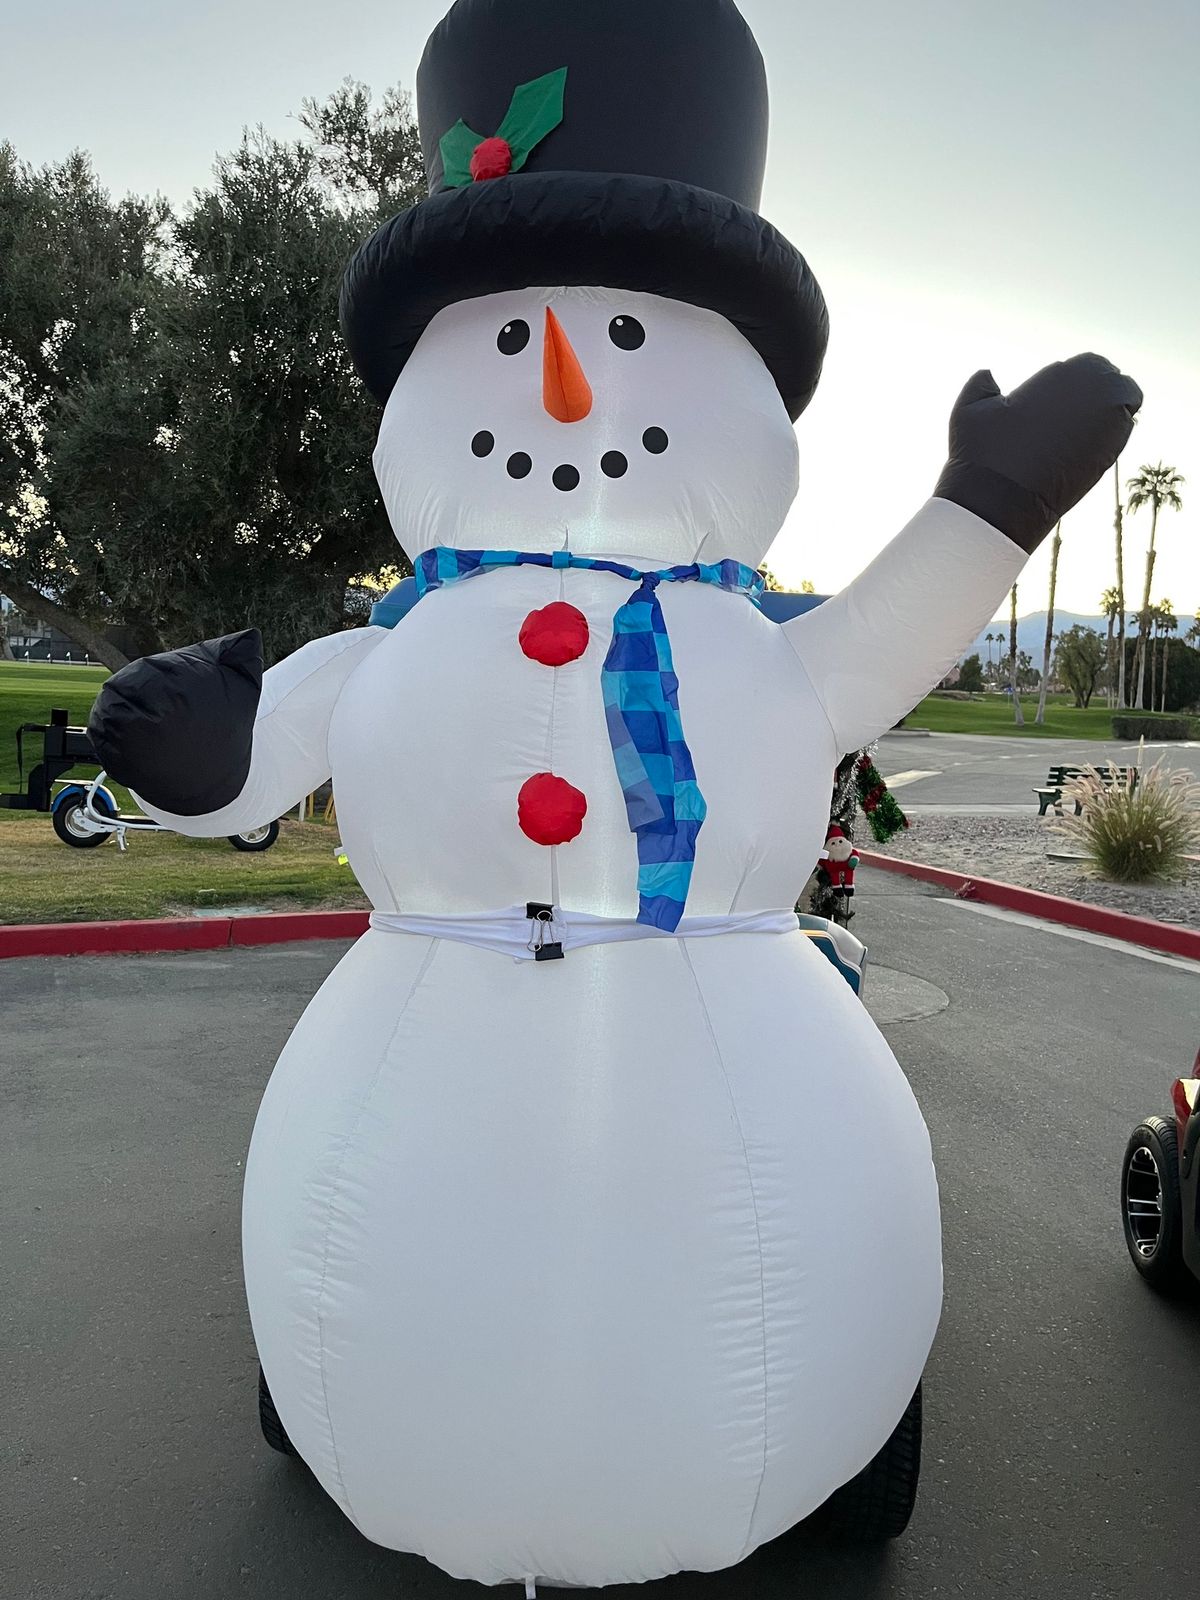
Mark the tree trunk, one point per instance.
(1120, 590)
(36, 605)
(1166, 657)
(1054, 549)
(1110, 658)
(1144, 618)
(1153, 663)
(1018, 714)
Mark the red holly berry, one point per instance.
(554, 635)
(492, 158)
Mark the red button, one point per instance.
(550, 810)
(556, 634)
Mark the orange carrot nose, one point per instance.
(566, 393)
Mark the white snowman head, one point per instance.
(604, 422)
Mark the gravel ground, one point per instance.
(1013, 849)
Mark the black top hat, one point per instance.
(618, 143)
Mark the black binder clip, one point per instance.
(541, 919)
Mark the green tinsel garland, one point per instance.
(877, 801)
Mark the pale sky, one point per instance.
(974, 184)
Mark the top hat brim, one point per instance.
(613, 231)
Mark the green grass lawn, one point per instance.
(29, 691)
(161, 874)
(993, 713)
(164, 874)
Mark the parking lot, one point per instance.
(1058, 1452)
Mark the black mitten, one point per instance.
(1021, 461)
(177, 727)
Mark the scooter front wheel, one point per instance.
(69, 822)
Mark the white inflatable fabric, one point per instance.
(595, 1269)
(728, 471)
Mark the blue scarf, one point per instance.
(641, 707)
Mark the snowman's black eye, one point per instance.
(626, 333)
(512, 338)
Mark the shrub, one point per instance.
(970, 675)
(1131, 725)
(1139, 833)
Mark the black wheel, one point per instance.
(1151, 1206)
(877, 1504)
(273, 1430)
(67, 819)
(256, 838)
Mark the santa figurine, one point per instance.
(836, 871)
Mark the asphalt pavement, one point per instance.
(1061, 1399)
(958, 770)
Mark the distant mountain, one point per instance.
(1031, 633)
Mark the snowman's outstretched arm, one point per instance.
(209, 744)
(1017, 464)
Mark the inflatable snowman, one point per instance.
(590, 1229)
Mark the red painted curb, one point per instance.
(286, 927)
(1165, 936)
(176, 933)
(113, 938)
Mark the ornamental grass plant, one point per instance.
(1139, 832)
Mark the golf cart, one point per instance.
(1160, 1191)
(85, 814)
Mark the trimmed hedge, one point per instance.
(1131, 726)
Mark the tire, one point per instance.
(877, 1504)
(1152, 1206)
(66, 817)
(256, 839)
(273, 1430)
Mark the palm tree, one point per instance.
(1152, 649)
(1018, 714)
(1155, 487)
(1117, 523)
(1110, 602)
(1054, 549)
(1168, 623)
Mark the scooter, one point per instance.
(85, 814)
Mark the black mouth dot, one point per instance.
(518, 465)
(565, 477)
(613, 464)
(655, 440)
(483, 443)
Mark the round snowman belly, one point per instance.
(552, 1220)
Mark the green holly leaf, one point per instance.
(535, 110)
(457, 147)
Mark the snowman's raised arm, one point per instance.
(209, 744)
(872, 651)
(1017, 464)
